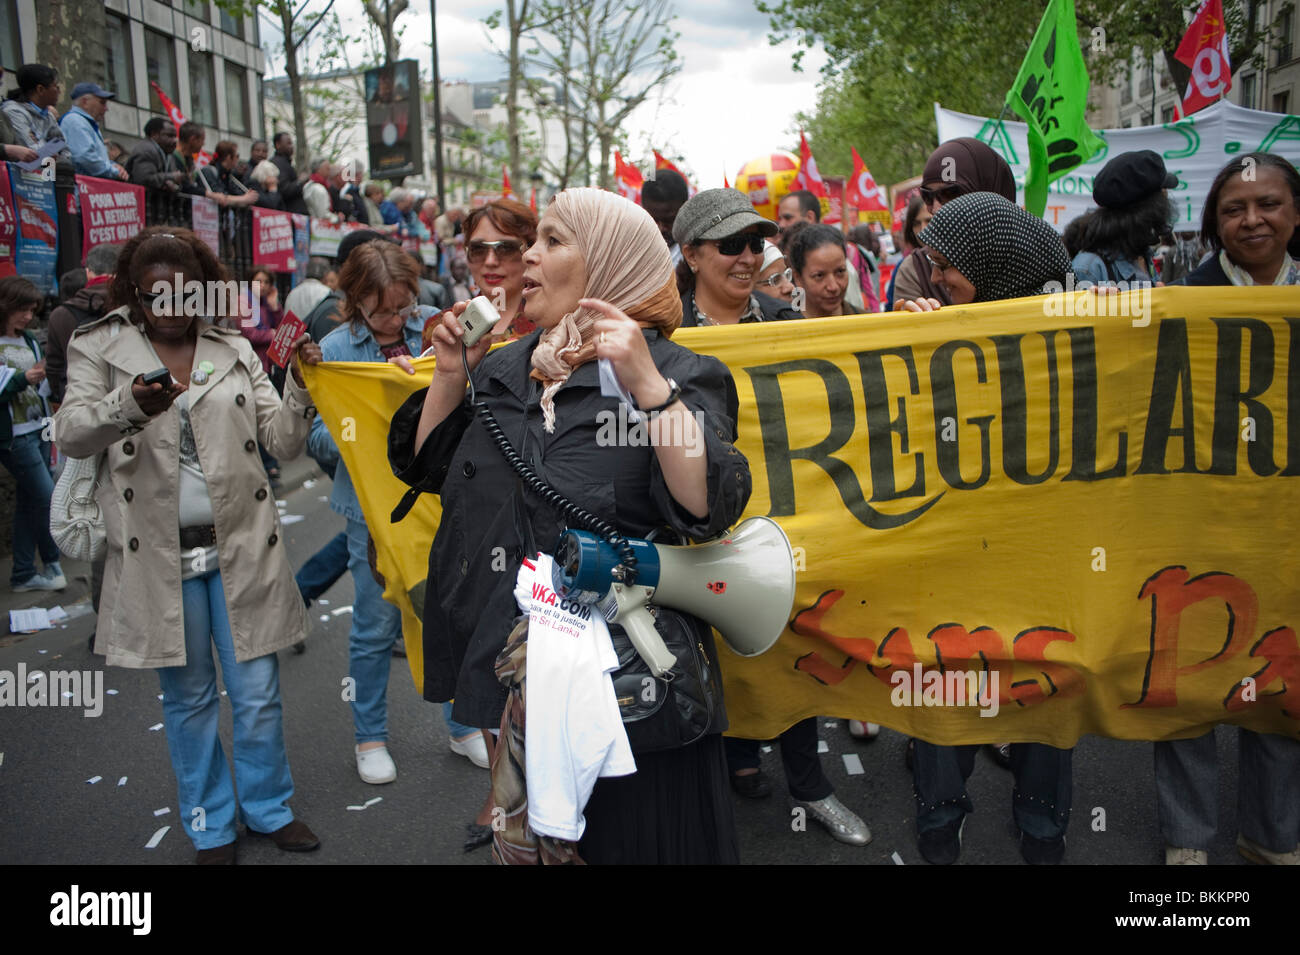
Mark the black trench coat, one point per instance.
(469, 601)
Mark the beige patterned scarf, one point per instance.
(628, 265)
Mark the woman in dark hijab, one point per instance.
(957, 168)
(984, 248)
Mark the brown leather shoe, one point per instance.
(221, 855)
(295, 837)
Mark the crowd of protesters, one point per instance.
(596, 277)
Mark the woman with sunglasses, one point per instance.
(196, 555)
(380, 319)
(722, 243)
(498, 234)
(958, 167)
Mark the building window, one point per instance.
(1126, 90)
(203, 97)
(1248, 91)
(1280, 102)
(11, 50)
(118, 75)
(1285, 27)
(1167, 114)
(232, 24)
(160, 64)
(236, 98)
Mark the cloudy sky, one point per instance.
(735, 98)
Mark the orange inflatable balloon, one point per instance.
(767, 180)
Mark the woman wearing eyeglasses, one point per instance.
(958, 167)
(499, 233)
(196, 555)
(776, 278)
(722, 243)
(380, 320)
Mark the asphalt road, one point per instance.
(51, 814)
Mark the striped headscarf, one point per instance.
(1000, 248)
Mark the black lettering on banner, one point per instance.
(943, 387)
(1293, 400)
(1083, 432)
(881, 427)
(1015, 412)
(780, 456)
(1229, 395)
(1173, 373)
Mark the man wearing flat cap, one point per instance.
(80, 127)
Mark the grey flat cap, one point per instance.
(716, 214)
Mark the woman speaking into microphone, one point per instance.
(599, 284)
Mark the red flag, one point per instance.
(627, 178)
(506, 191)
(863, 194)
(725, 183)
(809, 178)
(1204, 51)
(532, 199)
(662, 163)
(178, 120)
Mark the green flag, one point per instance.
(1051, 95)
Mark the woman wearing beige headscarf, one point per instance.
(599, 284)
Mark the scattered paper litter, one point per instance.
(160, 696)
(324, 616)
(853, 765)
(29, 620)
(898, 860)
(157, 838)
(371, 802)
(831, 724)
(368, 803)
(42, 651)
(356, 808)
(94, 779)
(2, 759)
(323, 497)
(822, 747)
(767, 749)
(155, 728)
(122, 781)
(322, 600)
(163, 811)
(309, 483)
(111, 692)
(291, 518)
(57, 615)
(223, 692)
(341, 610)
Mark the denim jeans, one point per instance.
(191, 714)
(28, 460)
(323, 568)
(1040, 802)
(803, 767)
(1268, 791)
(376, 626)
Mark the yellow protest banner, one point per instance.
(1016, 521)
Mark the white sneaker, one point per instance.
(1260, 856)
(472, 748)
(55, 575)
(1176, 855)
(861, 730)
(39, 582)
(375, 766)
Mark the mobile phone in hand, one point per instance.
(159, 377)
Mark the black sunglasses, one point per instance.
(944, 194)
(735, 244)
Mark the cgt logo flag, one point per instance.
(1204, 50)
(628, 178)
(863, 194)
(1094, 515)
(663, 163)
(809, 178)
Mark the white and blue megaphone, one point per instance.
(741, 584)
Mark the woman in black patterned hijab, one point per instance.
(983, 248)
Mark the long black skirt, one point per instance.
(674, 810)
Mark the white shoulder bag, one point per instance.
(76, 523)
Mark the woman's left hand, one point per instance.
(620, 339)
(306, 351)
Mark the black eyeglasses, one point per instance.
(736, 244)
(477, 252)
(943, 194)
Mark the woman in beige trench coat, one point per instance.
(195, 549)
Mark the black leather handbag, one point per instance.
(661, 713)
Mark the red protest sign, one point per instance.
(110, 211)
(273, 240)
(8, 225)
(286, 333)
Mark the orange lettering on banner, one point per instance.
(1063, 681)
(1171, 592)
(1282, 653)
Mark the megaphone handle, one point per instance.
(640, 626)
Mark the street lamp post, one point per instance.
(437, 103)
